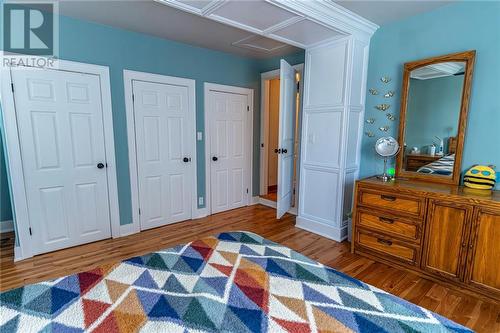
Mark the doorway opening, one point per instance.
(271, 97)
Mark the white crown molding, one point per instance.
(332, 15)
(284, 24)
(182, 6)
(212, 7)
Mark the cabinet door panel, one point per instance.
(484, 256)
(446, 237)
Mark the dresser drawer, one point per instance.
(387, 246)
(396, 226)
(392, 202)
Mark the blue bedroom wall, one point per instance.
(453, 28)
(5, 204)
(118, 49)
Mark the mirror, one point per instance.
(433, 117)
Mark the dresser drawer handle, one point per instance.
(386, 220)
(384, 241)
(387, 197)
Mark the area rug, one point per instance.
(232, 282)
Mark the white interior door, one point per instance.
(229, 153)
(286, 138)
(61, 133)
(164, 127)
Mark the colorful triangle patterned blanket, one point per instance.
(232, 282)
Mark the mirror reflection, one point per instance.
(432, 118)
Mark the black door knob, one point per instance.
(100, 165)
(277, 151)
(214, 158)
(185, 159)
(284, 151)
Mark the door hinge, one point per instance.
(298, 86)
(139, 211)
(31, 234)
(262, 145)
(248, 107)
(133, 97)
(12, 87)
(247, 190)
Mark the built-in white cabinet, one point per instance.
(332, 124)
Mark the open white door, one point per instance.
(286, 138)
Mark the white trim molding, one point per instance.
(200, 213)
(268, 203)
(271, 204)
(13, 151)
(255, 200)
(249, 176)
(325, 230)
(6, 226)
(128, 77)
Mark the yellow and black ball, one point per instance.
(480, 177)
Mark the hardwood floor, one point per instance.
(272, 193)
(473, 312)
(272, 196)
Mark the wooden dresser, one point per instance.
(445, 232)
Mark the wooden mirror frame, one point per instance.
(468, 57)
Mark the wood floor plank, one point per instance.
(467, 310)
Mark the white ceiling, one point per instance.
(252, 28)
(262, 18)
(383, 12)
(162, 21)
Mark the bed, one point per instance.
(442, 166)
(231, 282)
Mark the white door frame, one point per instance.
(249, 136)
(128, 77)
(264, 127)
(14, 160)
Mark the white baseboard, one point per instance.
(268, 203)
(254, 201)
(200, 213)
(18, 254)
(328, 231)
(6, 226)
(129, 229)
(273, 204)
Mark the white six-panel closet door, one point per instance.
(228, 150)
(164, 153)
(61, 134)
